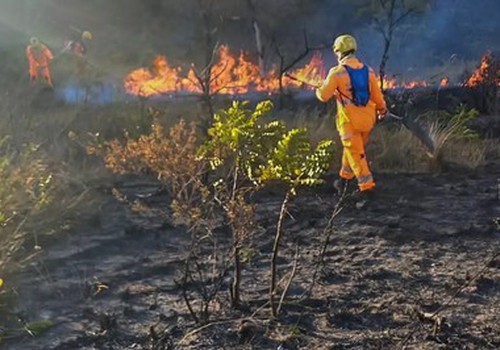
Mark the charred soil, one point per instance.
(416, 266)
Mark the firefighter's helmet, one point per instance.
(344, 44)
(86, 35)
(34, 41)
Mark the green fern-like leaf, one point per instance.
(320, 161)
(264, 151)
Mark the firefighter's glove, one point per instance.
(381, 115)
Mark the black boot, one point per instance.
(364, 196)
(341, 186)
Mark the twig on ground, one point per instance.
(260, 308)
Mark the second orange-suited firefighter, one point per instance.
(39, 57)
(78, 47)
(359, 103)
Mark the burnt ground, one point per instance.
(389, 267)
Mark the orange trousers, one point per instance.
(34, 69)
(354, 162)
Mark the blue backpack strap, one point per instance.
(360, 88)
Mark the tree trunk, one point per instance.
(260, 46)
(383, 62)
(281, 88)
(258, 35)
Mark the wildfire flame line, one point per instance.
(237, 74)
(229, 75)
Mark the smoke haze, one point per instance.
(128, 33)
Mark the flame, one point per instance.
(393, 83)
(159, 79)
(415, 84)
(485, 74)
(233, 74)
(444, 82)
(313, 73)
(390, 83)
(230, 74)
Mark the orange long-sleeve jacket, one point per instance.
(338, 85)
(39, 55)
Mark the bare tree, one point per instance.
(285, 66)
(258, 35)
(387, 16)
(209, 31)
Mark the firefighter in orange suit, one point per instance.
(39, 58)
(78, 47)
(359, 103)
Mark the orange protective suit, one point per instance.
(39, 57)
(354, 123)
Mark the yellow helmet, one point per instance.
(344, 44)
(87, 35)
(35, 41)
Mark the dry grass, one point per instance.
(45, 187)
(394, 149)
(440, 133)
(320, 127)
(471, 153)
(37, 199)
(61, 132)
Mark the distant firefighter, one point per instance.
(78, 45)
(39, 58)
(79, 48)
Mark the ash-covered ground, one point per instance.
(416, 267)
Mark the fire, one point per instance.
(230, 74)
(390, 83)
(393, 83)
(485, 73)
(444, 82)
(415, 84)
(234, 74)
(313, 73)
(159, 79)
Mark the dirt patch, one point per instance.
(390, 264)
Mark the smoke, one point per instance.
(461, 29)
(423, 43)
(95, 95)
(129, 33)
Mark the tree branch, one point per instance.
(402, 17)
